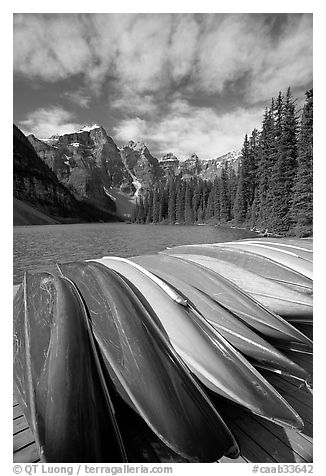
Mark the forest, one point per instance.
(271, 191)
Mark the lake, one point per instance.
(40, 247)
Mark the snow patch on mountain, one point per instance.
(89, 127)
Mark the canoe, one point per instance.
(288, 258)
(145, 369)
(191, 283)
(209, 356)
(305, 243)
(301, 252)
(257, 264)
(58, 379)
(226, 293)
(278, 299)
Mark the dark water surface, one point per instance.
(40, 247)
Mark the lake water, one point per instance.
(40, 247)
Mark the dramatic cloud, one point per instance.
(133, 104)
(181, 82)
(187, 129)
(78, 97)
(45, 122)
(148, 52)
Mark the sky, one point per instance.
(181, 83)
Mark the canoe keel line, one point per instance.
(107, 344)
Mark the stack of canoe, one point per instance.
(159, 335)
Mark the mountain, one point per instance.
(86, 162)
(193, 166)
(92, 166)
(39, 193)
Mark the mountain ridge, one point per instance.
(89, 163)
(38, 191)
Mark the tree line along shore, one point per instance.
(272, 189)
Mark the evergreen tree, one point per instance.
(265, 168)
(140, 211)
(196, 199)
(302, 207)
(201, 212)
(180, 201)
(233, 185)
(149, 216)
(285, 167)
(252, 169)
(188, 213)
(216, 198)
(156, 206)
(171, 201)
(210, 205)
(225, 208)
(242, 198)
(134, 213)
(163, 202)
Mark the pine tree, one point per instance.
(284, 169)
(171, 201)
(233, 185)
(140, 211)
(188, 212)
(156, 205)
(302, 207)
(149, 216)
(225, 209)
(196, 198)
(163, 202)
(216, 198)
(241, 203)
(252, 171)
(134, 213)
(265, 167)
(180, 201)
(210, 205)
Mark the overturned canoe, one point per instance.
(191, 282)
(227, 293)
(300, 251)
(305, 243)
(275, 297)
(257, 264)
(288, 258)
(211, 358)
(57, 375)
(145, 369)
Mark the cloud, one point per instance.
(50, 47)
(78, 97)
(45, 122)
(289, 60)
(150, 53)
(187, 129)
(133, 104)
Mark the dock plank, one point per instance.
(22, 439)
(19, 424)
(279, 448)
(28, 454)
(251, 450)
(301, 445)
(17, 412)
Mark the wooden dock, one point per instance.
(25, 450)
(260, 441)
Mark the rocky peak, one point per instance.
(169, 157)
(170, 163)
